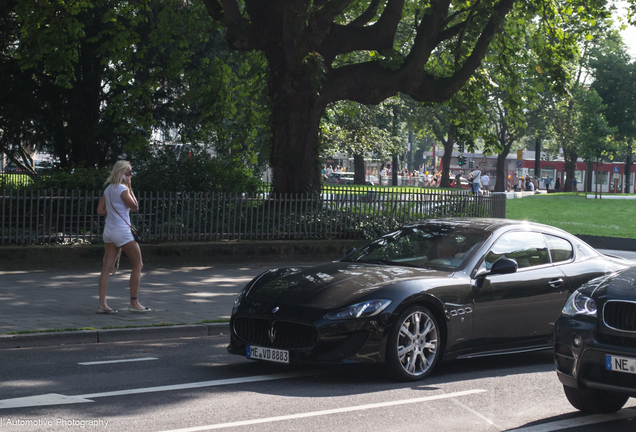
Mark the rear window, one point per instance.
(560, 249)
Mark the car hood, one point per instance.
(336, 284)
(620, 285)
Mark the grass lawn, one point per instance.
(576, 214)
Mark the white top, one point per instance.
(113, 220)
(485, 180)
(476, 176)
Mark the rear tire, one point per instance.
(595, 401)
(413, 347)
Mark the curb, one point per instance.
(34, 340)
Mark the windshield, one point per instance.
(444, 247)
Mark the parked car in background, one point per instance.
(463, 183)
(373, 180)
(595, 343)
(340, 178)
(441, 289)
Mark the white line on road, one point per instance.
(117, 361)
(327, 412)
(579, 421)
(484, 418)
(57, 399)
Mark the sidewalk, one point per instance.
(185, 301)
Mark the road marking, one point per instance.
(41, 400)
(327, 412)
(579, 421)
(484, 418)
(58, 399)
(117, 361)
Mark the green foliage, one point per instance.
(159, 170)
(79, 178)
(93, 80)
(357, 129)
(191, 171)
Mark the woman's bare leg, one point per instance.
(133, 253)
(110, 255)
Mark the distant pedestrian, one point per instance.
(485, 182)
(557, 184)
(458, 180)
(116, 202)
(514, 182)
(475, 181)
(547, 183)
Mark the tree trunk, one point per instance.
(446, 160)
(569, 166)
(395, 167)
(629, 162)
(294, 153)
(502, 180)
(360, 172)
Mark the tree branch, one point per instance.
(343, 39)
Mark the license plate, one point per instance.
(268, 354)
(620, 364)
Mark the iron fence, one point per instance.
(53, 217)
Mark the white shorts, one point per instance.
(119, 236)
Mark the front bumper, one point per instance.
(580, 357)
(360, 341)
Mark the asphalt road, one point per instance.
(194, 385)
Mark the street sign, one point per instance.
(519, 154)
(519, 163)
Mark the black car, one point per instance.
(451, 288)
(595, 343)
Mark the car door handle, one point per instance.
(556, 283)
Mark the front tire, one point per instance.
(413, 347)
(595, 401)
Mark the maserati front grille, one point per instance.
(274, 334)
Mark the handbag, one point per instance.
(134, 231)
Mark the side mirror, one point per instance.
(501, 266)
(504, 266)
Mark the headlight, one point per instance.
(237, 301)
(579, 304)
(360, 310)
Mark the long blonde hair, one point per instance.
(118, 173)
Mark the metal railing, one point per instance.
(53, 217)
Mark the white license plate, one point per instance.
(620, 364)
(268, 354)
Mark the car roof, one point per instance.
(492, 224)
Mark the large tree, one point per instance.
(426, 50)
(615, 82)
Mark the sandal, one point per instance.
(132, 309)
(106, 311)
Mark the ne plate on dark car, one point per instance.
(595, 343)
(446, 288)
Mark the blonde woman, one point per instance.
(116, 203)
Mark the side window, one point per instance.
(527, 248)
(560, 249)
